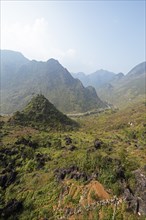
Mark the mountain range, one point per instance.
(96, 79)
(21, 79)
(91, 166)
(118, 89)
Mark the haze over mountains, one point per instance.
(97, 79)
(118, 89)
(21, 79)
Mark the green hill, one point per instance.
(40, 113)
(96, 172)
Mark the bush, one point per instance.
(30, 166)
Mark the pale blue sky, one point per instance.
(83, 35)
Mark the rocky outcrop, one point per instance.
(97, 143)
(71, 172)
(41, 159)
(28, 142)
(10, 209)
(136, 199)
(7, 179)
(72, 147)
(68, 140)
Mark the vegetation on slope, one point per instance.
(42, 114)
(49, 175)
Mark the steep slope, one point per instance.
(82, 77)
(42, 114)
(11, 61)
(12, 58)
(127, 89)
(118, 89)
(52, 80)
(138, 69)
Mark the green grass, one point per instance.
(38, 189)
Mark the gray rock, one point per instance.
(137, 200)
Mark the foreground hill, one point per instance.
(48, 78)
(96, 172)
(40, 113)
(117, 89)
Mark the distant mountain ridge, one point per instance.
(10, 64)
(96, 79)
(13, 57)
(22, 78)
(118, 89)
(138, 69)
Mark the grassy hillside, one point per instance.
(82, 174)
(125, 91)
(40, 113)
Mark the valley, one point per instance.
(69, 151)
(73, 110)
(117, 89)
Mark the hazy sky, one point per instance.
(83, 35)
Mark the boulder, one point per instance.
(7, 179)
(72, 173)
(27, 142)
(68, 140)
(12, 207)
(97, 144)
(120, 173)
(41, 159)
(72, 148)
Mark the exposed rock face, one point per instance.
(41, 159)
(137, 199)
(7, 179)
(11, 208)
(120, 173)
(72, 172)
(27, 142)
